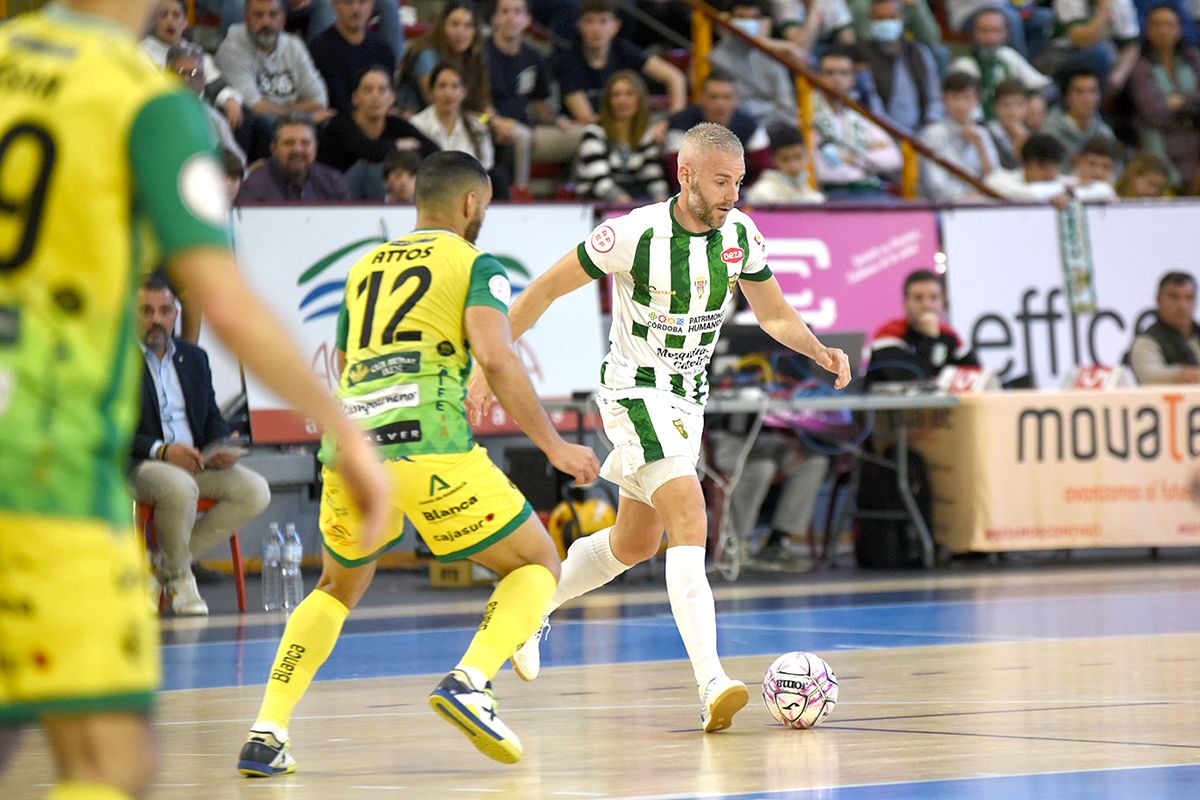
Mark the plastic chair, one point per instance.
(144, 514)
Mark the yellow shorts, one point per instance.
(77, 631)
(460, 503)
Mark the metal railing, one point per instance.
(705, 17)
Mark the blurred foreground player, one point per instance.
(105, 164)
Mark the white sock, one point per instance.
(694, 610)
(590, 564)
(262, 726)
(478, 679)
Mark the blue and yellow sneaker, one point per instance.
(264, 755)
(473, 711)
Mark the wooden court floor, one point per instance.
(1043, 683)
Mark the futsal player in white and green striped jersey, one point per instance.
(674, 266)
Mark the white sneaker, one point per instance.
(527, 661)
(721, 699)
(184, 598)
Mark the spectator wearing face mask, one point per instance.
(904, 72)
(764, 87)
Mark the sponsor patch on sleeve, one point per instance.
(500, 288)
(603, 239)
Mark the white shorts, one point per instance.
(656, 438)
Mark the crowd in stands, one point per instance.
(1039, 100)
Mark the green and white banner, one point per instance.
(297, 259)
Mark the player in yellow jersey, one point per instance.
(105, 167)
(416, 309)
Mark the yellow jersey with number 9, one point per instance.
(106, 165)
(407, 354)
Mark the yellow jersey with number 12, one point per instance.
(403, 332)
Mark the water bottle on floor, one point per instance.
(272, 569)
(293, 555)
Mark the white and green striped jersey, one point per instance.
(670, 288)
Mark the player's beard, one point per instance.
(702, 210)
(473, 227)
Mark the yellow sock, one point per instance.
(86, 791)
(513, 613)
(307, 641)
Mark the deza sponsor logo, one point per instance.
(1123, 432)
(368, 405)
(733, 255)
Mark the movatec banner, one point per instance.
(1009, 300)
(1032, 470)
(298, 259)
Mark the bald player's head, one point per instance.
(453, 187)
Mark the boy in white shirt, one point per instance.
(789, 181)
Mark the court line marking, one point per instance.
(735, 614)
(834, 726)
(836, 788)
(1092, 703)
(1038, 576)
(1097, 705)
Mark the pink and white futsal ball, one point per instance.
(800, 690)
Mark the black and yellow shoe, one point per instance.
(473, 711)
(264, 756)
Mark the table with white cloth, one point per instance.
(1066, 470)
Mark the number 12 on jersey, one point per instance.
(372, 286)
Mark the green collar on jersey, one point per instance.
(679, 230)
